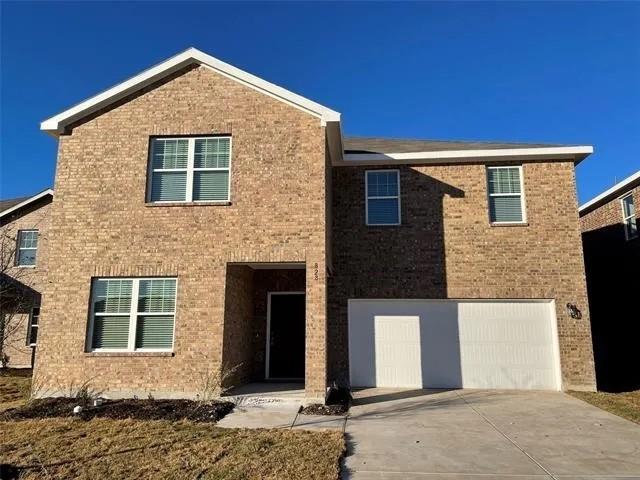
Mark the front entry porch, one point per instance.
(265, 345)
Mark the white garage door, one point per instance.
(453, 344)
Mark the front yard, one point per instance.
(73, 448)
(625, 405)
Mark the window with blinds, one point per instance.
(129, 314)
(629, 217)
(506, 200)
(382, 190)
(190, 169)
(27, 248)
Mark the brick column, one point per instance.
(316, 332)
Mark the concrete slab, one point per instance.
(260, 417)
(319, 422)
(566, 435)
(486, 434)
(267, 394)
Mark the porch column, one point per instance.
(316, 331)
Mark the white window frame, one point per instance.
(133, 317)
(19, 248)
(626, 219)
(523, 203)
(31, 326)
(367, 198)
(190, 169)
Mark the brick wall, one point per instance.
(36, 216)
(613, 266)
(446, 248)
(102, 226)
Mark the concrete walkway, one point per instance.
(472, 435)
(279, 416)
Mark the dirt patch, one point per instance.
(148, 409)
(338, 403)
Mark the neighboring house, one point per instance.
(612, 257)
(24, 226)
(205, 217)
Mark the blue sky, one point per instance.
(543, 72)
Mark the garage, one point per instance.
(454, 344)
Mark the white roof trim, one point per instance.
(470, 155)
(55, 125)
(29, 200)
(612, 191)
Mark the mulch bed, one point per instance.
(338, 403)
(147, 409)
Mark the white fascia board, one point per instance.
(497, 153)
(29, 200)
(618, 187)
(447, 154)
(56, 124)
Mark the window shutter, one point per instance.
(110, 332)
(211, 185)
(154, 332)
(169, 186)
(383, 211)
(505, 209)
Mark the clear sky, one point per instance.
(541, 72)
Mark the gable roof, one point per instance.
(14, 204)
(10, 202)
(373, 150)
(56, 124)
(618, 189)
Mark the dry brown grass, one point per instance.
(102, 448)
(625, 405)
(14, 387)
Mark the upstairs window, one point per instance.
(190, 169)
(27, 248)
(32, 334)
(629, 217)
(382, 197)
(506, 195)
(132, 314)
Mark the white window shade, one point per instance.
(506, 200)
(195, 169)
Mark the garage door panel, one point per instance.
(452, 344)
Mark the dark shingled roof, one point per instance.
(10, 202)
(401, 145)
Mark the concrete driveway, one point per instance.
(472, 435)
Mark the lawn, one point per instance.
(625, 405)
(102, 448)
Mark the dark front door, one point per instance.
(286, 336)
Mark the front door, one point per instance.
(285, 336)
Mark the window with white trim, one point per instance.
(629, 217)
(506, 195)
(382, 191)
(132, 314)
(32, 334)
(190, 169)
(27, 248)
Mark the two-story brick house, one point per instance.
(612, 260)
(205, 217)
(24, 225)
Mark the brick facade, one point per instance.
(101, 226)
(613, 266)
(34, 216)
(288, 205)
(446, 248)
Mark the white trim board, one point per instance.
(613, 191)
(55, 125)
(26, 202)
(498, 154)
